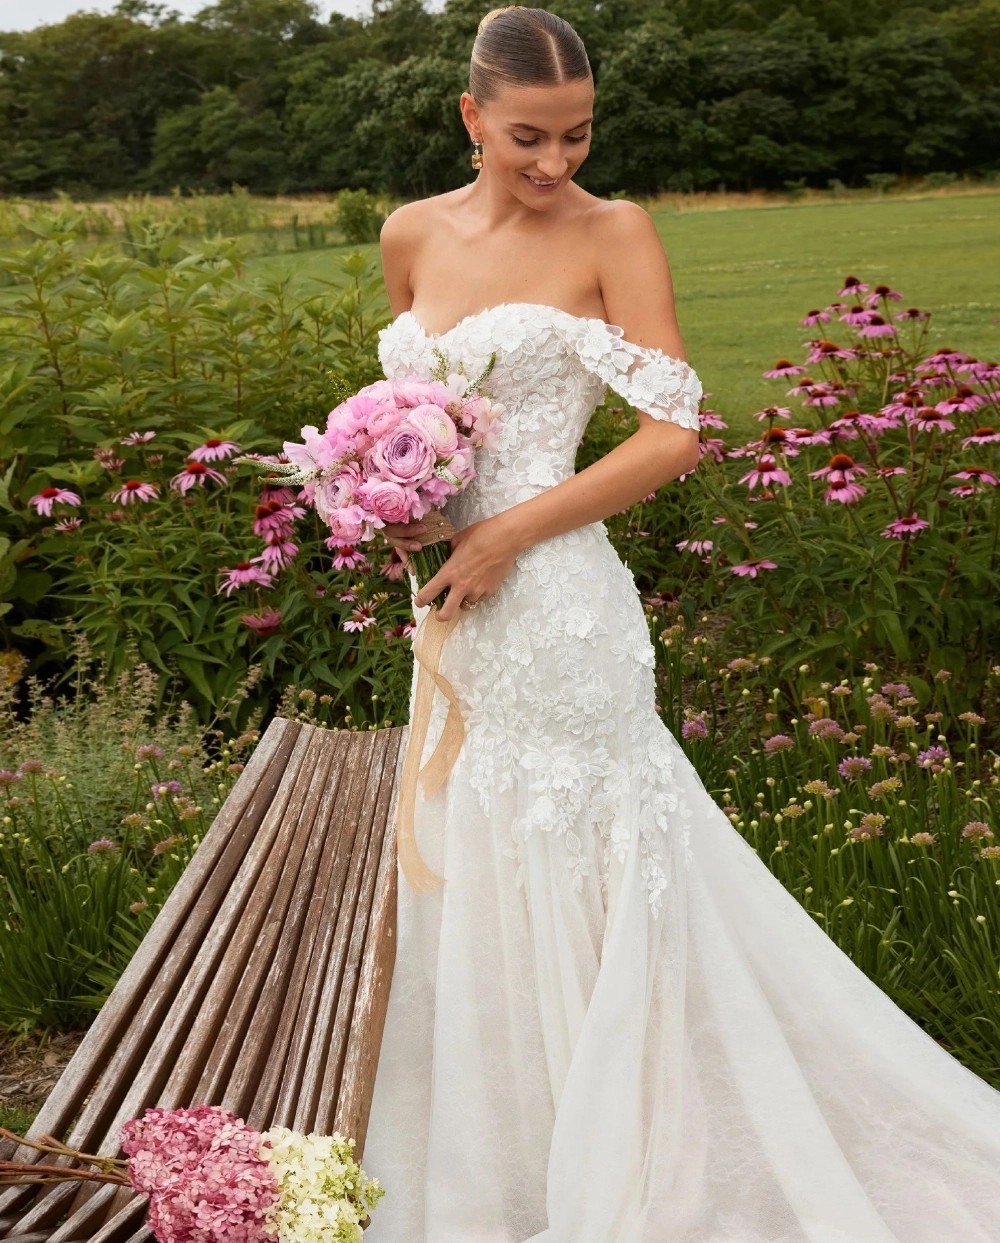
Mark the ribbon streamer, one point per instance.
(427, 645)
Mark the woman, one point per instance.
(611, 1024)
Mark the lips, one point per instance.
(543, 186)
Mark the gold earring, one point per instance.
(477, 153)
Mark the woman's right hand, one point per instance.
(405, 536)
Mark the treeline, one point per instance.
(692, 95)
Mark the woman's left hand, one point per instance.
(482, 555)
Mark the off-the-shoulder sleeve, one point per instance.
(665, 387)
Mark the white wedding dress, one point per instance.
(612, 1024)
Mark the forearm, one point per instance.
(643, 462)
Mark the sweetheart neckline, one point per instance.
(548, 306)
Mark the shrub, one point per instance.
(358, 216)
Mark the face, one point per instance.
(534, 137)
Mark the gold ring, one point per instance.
(469, 604)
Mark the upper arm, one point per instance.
(635, 279)
(396, 242)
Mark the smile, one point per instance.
(542, 183)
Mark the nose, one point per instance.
(552, 165)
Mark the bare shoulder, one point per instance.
(402, 234)
(622, 224)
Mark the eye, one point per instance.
(578, 137)
(524, 142)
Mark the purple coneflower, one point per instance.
(976, 479)
(750, 569)
(699, 546)
(346, 556)
(827, 349)
(839, 470)
(765, 474)
(844, 493)
(278, 554)
(964, 400)
(108, 460)
(272, 518)
(263, 623)
(69, 524)
(905, 528)
(981, 436)
(195, 473)
(48, 497)
(133, 490)
(822, 395)
(773, 412)
(853, 288)
(857, 316)
(710, 418)
(242, 575)
(881, 292)
(913, 313)
(876, 327)
(927, 419)
(783, 367)
(214, 451)
(360, 619)
(812, 318)
(137, 438)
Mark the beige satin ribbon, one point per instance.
(427, 645)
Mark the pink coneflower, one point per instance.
(278, 554)
(346, 556)
(360, 619)
(214, 451)
(133, 491)
(274, 518)
(857, 316)
(750, 569)
(782, 438)
(48, 497)
(853, 288)
(981, 436)
(765, 474)
(841, 468)
(773, 412)
(804, 386)
(195, 473)
(812, 318)
(783, 367)
(242, 575)
(700, 546)
(976, 479)
(69, 524)
(823, 395)
(137, 438)
(886, 472)
(275, 490)
(876, 327)
(964, 400)
(913, 314)
(108, 460)
(711, 418)
(844, 493)
(905, 528)
(819, 350)
(883, 292)
(927, 419)
(263, 623)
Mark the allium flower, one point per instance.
(854, 765)
(168, 843)
(8, 778)
(972, 718)
(872, 825)
(31, 768)
(133, 490)
(778, 743)
(933, 758)
(896, 690)
(905, 528)
(137, 438)
(102, 845)
(162, 788)
(923, 839)
(148, 751)
(48, 497)
(750, 569)
(819, 788)
(885, 787)
(214, 451)
(826, 727)
(742, 664)
(981, 436)
(694, 727)
(195, 473)
(263, 623)
(242, 575)
(976, 830)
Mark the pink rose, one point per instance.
(350, 524)
(437, 425)
(387, 500)
(405, 455)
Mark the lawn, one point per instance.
(745, 275)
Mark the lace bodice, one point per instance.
(552, 371)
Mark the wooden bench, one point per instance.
(261, 986)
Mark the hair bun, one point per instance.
(495, 13)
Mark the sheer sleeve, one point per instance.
(665, 387)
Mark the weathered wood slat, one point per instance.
(261, 986)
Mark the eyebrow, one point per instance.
(538, 130)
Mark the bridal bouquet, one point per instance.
(394, 452)
(211, 1178)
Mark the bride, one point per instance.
(611, 1023)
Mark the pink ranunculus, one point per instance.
(438, 426)
(412, 393)
(463, 464)
(382, 421)
(388, 500)
(406, 455)
(350, 524)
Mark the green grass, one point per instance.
(744, 277)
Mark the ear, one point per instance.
(471, 116)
